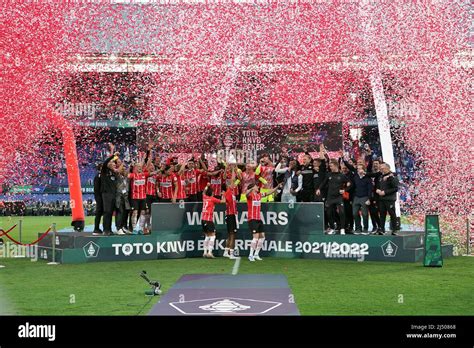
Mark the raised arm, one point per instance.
(269, 162)
(108, 162)
(215, 172)
(149, 154)
(323, 167)
(238, 176)
(181, 169)
(322, 152)
(369, 164)
(203, 165)
(262, 180)
(280, 185)
(349, 166)
(175, 192)
(280, 170)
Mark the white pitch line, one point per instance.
(235, 269)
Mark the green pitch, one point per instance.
(320, 287)
(32, 225)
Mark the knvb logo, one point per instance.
(91, 249)
(225, 305)
(389, 249)
(37, 331)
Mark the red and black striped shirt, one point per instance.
(208, 203)
(192, 184)
(230, 202)
(254, 206)
(166, 186)
(216, 184)
(180, 182)
(138, 185)
(151, 185)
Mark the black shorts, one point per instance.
(165, 200)
(139, 204)
(193, 198)
(150, 200)
(256, 226)
(208, 226)
(231, 222)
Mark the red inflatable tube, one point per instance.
(72, 168)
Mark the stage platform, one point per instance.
(293, 230)
(219, 294)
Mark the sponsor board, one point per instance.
(286, 245)
(433, 252)
(163, 248)
(297, 218)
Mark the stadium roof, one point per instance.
(308, 54)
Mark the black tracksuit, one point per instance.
(389, 184)
(277, 178)
(374, 201)
(307, 193)
(99, 204)
(108, 185)
(348, 203)
(334, 202)
(318, 177)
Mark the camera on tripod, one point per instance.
(155, 285)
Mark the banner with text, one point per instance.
(433, 252)
(294, 218)
(244, 142)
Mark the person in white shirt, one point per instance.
(292, 182)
